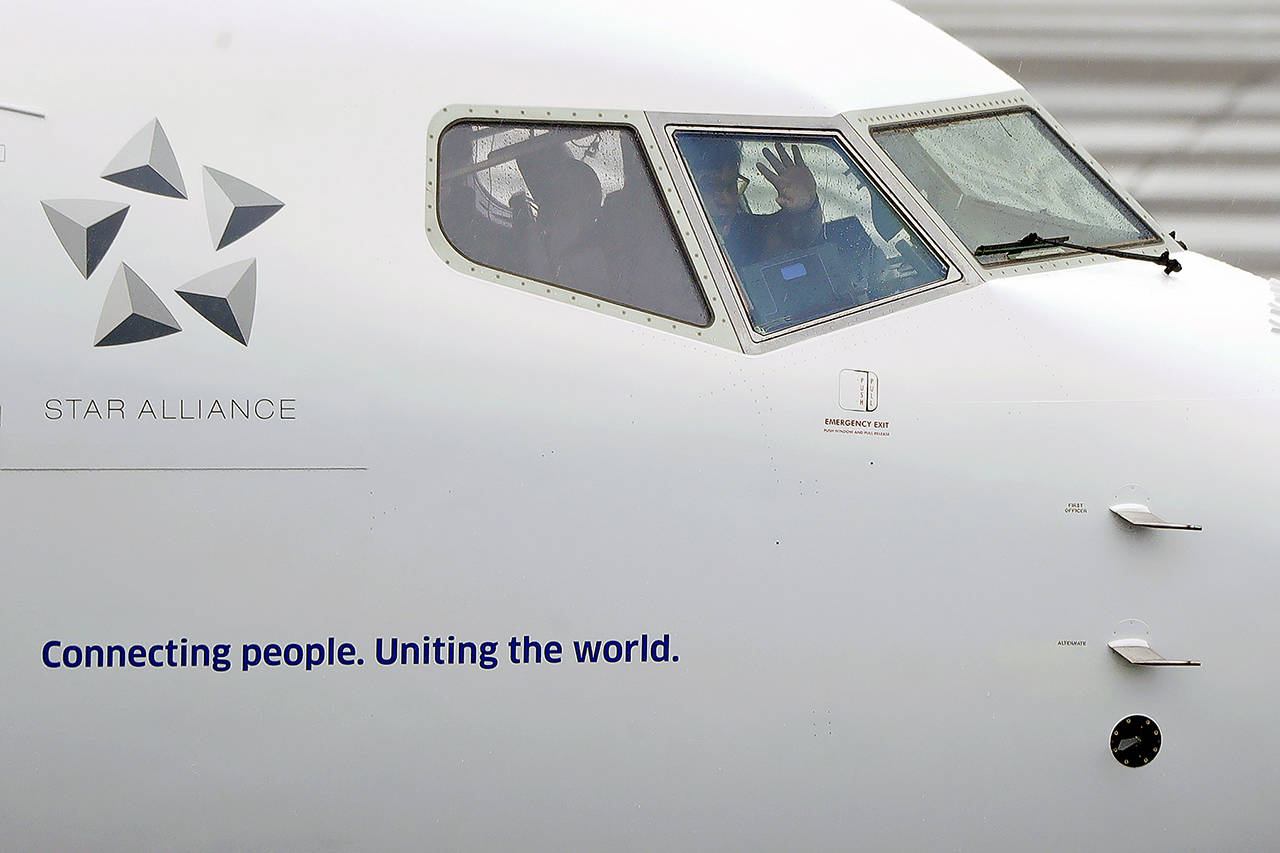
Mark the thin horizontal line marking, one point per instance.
(66, 470)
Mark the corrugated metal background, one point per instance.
(1180, 100)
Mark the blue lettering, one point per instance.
(587, 652)
(388, 659)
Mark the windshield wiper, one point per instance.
(1035, 241)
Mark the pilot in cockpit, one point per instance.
(752, 237)
(556, 240)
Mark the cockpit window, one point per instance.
(570, 205)
(995, 178)
(806, 233)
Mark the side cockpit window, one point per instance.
(805, 232)
(571, 205)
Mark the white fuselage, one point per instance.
(891, 627)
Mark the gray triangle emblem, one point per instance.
(86, 228)
(235, 207)
(132, 312)
(147, 163)
(226, 298)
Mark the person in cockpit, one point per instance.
(559, 243)
(748, 237)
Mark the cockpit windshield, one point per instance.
(806, 233)
(997, 177)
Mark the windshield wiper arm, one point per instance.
(1035, 241)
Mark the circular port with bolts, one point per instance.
(1135, 741)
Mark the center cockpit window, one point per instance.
(806, 234)
(996, 178)
(570, 205)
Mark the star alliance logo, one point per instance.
(133, 311)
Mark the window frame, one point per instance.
(730, 325)
(865, 123)
(835, 128)
(718, 330)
